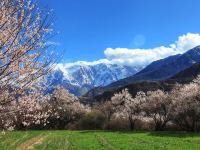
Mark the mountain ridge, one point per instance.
(80, 78)
(183, 77)
(162, 69)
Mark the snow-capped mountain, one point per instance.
(80, 77)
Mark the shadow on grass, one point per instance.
(110, 131)
(178, 134)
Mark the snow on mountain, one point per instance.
(82, 76)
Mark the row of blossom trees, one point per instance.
(25, 57)
(36, 110)
(181, 107)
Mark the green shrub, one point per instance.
(93, 120)
(118, 124)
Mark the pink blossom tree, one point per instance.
(186, 109)
(66, 108)
(128, 106)
(24, 58)
(158, 107)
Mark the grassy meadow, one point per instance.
(97, 140)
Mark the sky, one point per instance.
(124, 31)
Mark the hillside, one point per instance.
(185, 76)
(162, 69)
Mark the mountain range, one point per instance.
(80, 77)
(183, 77)
(92, 80)
(163, 74)
(162, 69)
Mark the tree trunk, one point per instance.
(131, 123)
(159, 126)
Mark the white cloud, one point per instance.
(87, 63)
(137, 57)
(142, 57)
(186, 42)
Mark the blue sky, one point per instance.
(88, 27)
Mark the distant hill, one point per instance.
(184, 76)
(161, 69)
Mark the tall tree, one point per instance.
(25, 56)
(130, 107)
(24, 31)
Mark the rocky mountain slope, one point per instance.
(183, 77)
(80, 78)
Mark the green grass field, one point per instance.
(98, 140)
